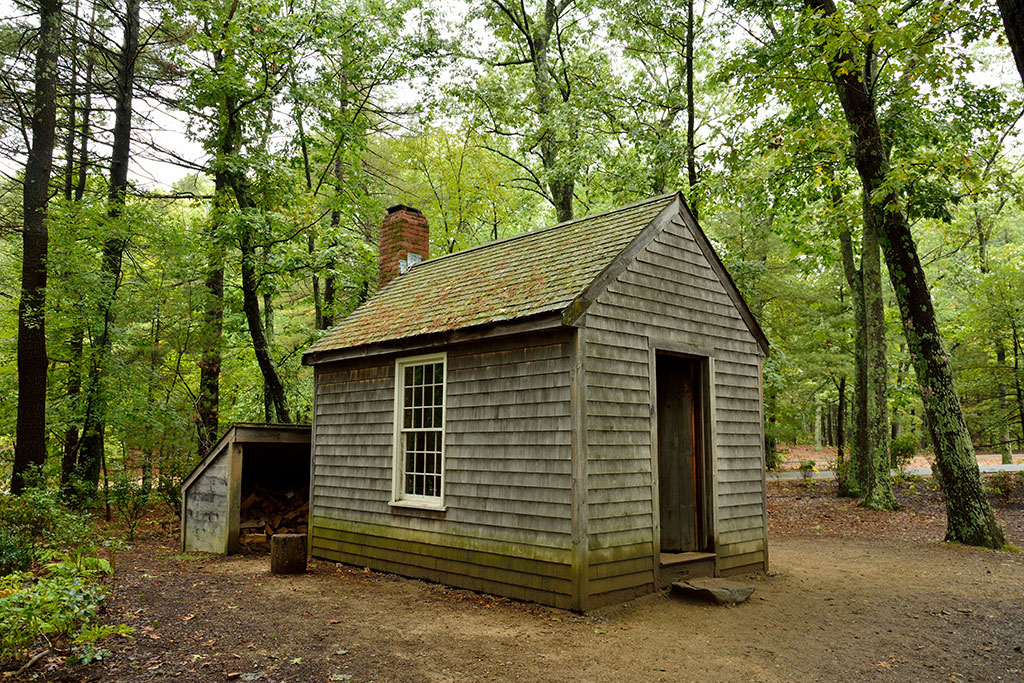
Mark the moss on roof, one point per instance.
(536, 272)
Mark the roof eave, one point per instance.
(545, 320)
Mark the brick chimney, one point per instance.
(403, 232)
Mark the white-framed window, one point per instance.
(419, 431)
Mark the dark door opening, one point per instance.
(681, 454)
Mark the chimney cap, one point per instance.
(402, 207)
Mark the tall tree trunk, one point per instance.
(69, 458)
(260, 345)
(75, 191)
(897, 418)
(151, 384)
(560, 185)
(828, 417)
(30, 435)
(691, 115)
(817, 424)
(83, 147)
(311, 235)
(969, 517)
(1004, 423)
(851, 476)
(1002, 428)
(208, 400)
(93, 436)
(75, 346)
(841, 424)
(1018, 384)
(876, 482)
(230, 144)
(1012, 12)
(69, 141)
(268, 325)
(330, 294)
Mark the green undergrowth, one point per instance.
(54, 566)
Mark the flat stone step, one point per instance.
(720, 591)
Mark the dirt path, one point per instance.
(835, 607)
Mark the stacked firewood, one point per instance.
(265, 513)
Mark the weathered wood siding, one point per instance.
(207, 509)
(507, 528)
(668, 293)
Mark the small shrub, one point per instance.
(55, 606)
(902, 450)
(1001, 484)
(807, 469)
(15, 550)
(64, 594)
(772, 454)
(88, 653)
(93, 634)
(936, 480)
(38, 512)
(168, 484)
(131, 501)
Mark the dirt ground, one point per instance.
(852, 595)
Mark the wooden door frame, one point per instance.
(705, 357)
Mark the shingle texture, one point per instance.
(537, 272)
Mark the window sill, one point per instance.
(405, 505)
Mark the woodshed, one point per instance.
(571, 416)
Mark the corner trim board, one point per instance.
(580, 535)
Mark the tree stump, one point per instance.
(288, 554)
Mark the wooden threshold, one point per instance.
(672, 559)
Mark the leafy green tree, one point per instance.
(461, 188)
(969, 515)
(541, 88)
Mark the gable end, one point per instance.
(579, 306)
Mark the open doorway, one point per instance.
(682, 454)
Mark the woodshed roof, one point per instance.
(537, 272)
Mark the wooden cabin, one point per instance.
(571, 416)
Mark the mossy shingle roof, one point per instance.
(529, 274)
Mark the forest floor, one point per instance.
(852, 595)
